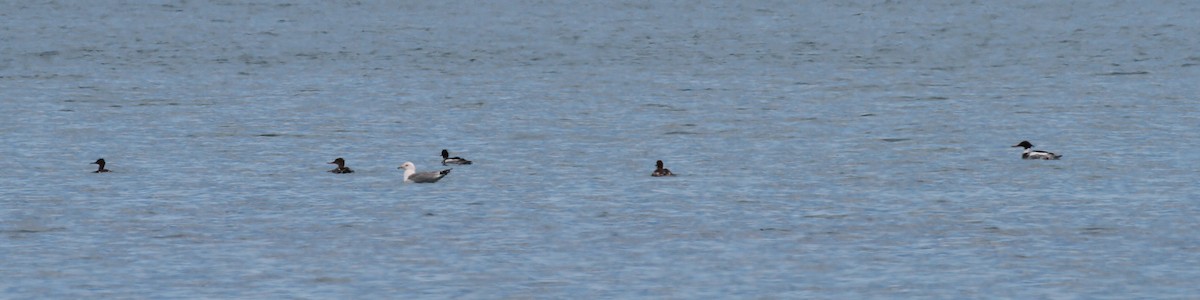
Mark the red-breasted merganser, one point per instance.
(447, 160)
(341, 166)
(659, 171)
(1035, 154)
(101, 169)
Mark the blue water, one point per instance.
(836, 150)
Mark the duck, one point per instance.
(447, 160)
(341, 167)
(101, 169)
(659, 171)
(1035, 154)
(411, 175)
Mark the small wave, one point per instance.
(1125, 73)
(33, 230)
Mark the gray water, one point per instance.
(831, 150)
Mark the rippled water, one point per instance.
(824, 150)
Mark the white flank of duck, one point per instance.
(1035, 154)
(447, 160)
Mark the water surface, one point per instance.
(824, 150)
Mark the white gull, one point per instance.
(411, 175)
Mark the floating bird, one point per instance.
(341, 167)
(1035, 154)
(447, 160)
(101, 169)
(659, 171)
(411, 175)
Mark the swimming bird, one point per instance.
(101, 169)
(659, 171)
(341, 167)
(446, 159)
(411, 175)
(1035, 154)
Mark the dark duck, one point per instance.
(101, 169)
(659, 171)
(341, 166)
